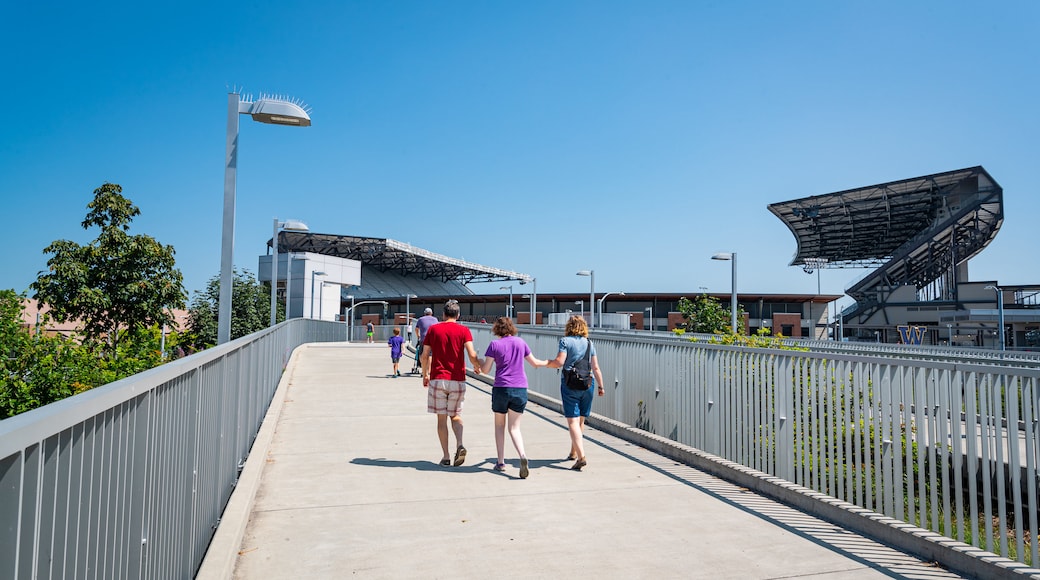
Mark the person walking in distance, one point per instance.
(370, 330)
(509, 391)
(395, 343)
(577, 404)
(421, 326)
(445, 348)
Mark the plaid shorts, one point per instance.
(445, 397)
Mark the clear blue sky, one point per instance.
(632, 138)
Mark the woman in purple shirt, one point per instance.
(509, 392)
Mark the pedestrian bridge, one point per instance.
(220, 465)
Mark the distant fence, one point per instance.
(948, 445)
(129, 480)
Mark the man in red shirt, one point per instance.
(445, 348)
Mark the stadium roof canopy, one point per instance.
(869, 225)
(389, 255)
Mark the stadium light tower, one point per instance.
(271, 110)
(289, 226)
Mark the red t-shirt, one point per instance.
(446, 341)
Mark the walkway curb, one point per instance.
(222, 553)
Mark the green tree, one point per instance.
(250, 310)
(118, 282)
(705, 315)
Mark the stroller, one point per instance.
(416, 366)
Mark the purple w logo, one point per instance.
(911, 334)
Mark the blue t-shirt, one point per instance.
(575, 347)
(509, 353)
(395, 343)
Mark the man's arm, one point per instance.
(427, 354)
(472, 353)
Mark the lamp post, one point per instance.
(313, 274)
(349, 319)
(732, 257)
(1000, 315)
(288, 225)
(509, 313)
(650, 321)
(266, 110)
(601, 305)
(582, 304)
(534, 299)
(810, 264)
(949, 330)
(321, 300)
(350, 311)
(408, 314)
(592, 291)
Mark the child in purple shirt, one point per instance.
(509, 392)
(395, 343)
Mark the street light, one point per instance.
(291, 226)
(810, 264)
(650, 321)
(601, 305)
(592, 291)
(510, 288)
(321, 299)
(534, 298)
(1000, 314)
(266, 110)
(949, 330)
(350, 321)
(408, 314)
(732, 257)
(582, 304)
(313, 274)
(350, 311)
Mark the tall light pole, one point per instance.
(313, 274)
(408, 315)
(604, 297)
(810, 264)
(732, 257)
(534, 299)
(350, 319)
(592, 291)
(321, 300)
(650, 321)
(265, 110)
(949, 330)
(289, 225)
(510, 288)
(582, 304)
(1000, 314)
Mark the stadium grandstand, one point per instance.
(917, 236)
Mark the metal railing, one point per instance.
(947, 445)
(129, 480)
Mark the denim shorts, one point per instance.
(508, 399)
(576, 403)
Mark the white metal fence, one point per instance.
(947, 445)
(129, 480)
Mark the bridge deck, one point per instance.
(344, 482)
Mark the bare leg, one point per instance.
(500, 436)
(442, 434)
(577, 445)
(456, 426)
(514, 434)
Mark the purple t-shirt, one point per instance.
(395, 343)
(509, 353)
(423, 324)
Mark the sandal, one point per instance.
(572, 456)
(500, 467)
(524, 471)
(579, 464)
(445, 462)
(460, 456)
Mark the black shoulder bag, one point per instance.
(579, 376)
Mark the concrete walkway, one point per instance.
(343, 482)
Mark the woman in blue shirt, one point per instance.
(577, 404)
